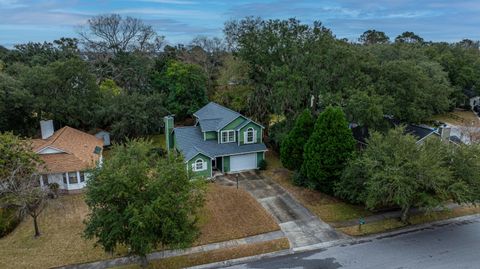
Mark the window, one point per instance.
(82, 177)
(72, 178)
(65, 178)
(199, 165)
(45, 180)
(228, 136)
(249, 136)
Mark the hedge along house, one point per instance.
(221, 141)
(66, 154)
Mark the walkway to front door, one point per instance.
(301, 227)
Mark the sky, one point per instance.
(181, 20)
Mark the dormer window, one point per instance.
(228, 136)
(249, 136)
(199, 165)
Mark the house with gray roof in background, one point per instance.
(221, 141)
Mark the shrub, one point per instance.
(291, 148)
(9, 219)
(54, 187)
(262, 165)
(327, 150)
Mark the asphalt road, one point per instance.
(449, 246)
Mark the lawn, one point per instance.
(458, 117)
(326, 207)
(228, 214)
(231, 213)
(216, 255)
(60, 243)
(391, 224)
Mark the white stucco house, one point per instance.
(66, 154)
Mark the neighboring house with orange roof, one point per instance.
(67, 154)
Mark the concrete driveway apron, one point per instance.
(300, 226)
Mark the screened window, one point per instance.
(228, 136)
(250, 136)
(72, 178)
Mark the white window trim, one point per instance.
(245, 136)
(228, 136)
(194, 165)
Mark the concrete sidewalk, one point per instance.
(301, 227)
(179, 252)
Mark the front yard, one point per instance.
(458, 117)
(337, 213)
(228, 214)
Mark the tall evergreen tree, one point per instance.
(291, 149)
(327, 150)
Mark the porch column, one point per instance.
(68, 180)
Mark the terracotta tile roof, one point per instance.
(77, 150)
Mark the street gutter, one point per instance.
(349, 241)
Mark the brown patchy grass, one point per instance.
(61, 225)
(458, 117)
(216, 255)
(391, 224)
(228, 214)
(231, 213)
(326, 207)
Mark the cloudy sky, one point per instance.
(181, 20)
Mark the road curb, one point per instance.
(325, 245)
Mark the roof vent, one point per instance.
(46, 126)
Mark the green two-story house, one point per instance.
(221, 141)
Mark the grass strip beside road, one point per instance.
(216, 255)
(391, 224)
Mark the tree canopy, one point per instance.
(327, 151)
(291, 149)
(145, 204)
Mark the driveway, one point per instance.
(301, 227)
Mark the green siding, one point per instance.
(254, 126)
(168, 132)
(211, 135)
(259, 158)
(234, 124)
(205, 173)
(226, 164)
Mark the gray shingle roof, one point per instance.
(214, 111)
(209, 124)
(189, 141)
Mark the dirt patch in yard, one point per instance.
(232, 213)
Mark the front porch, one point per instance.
(68, 181)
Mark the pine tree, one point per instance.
(291, 149)
(327, 150)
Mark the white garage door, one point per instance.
(243, 162)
